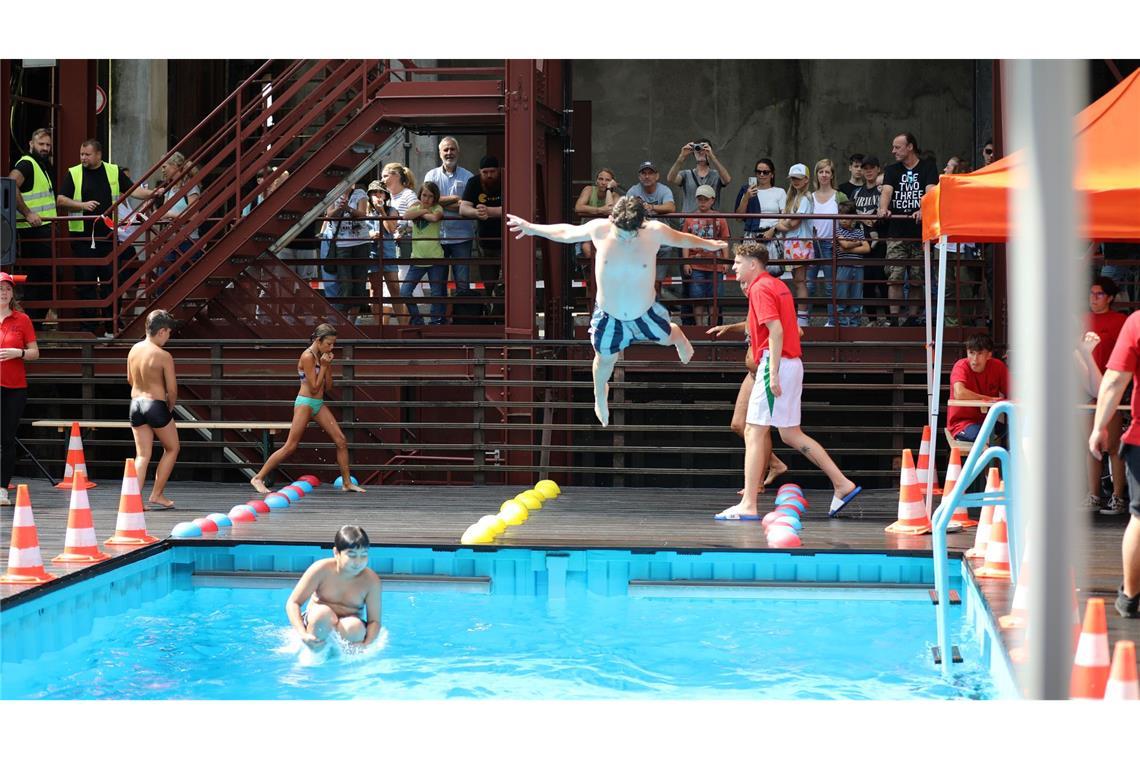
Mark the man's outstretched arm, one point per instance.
(678, 239)
(560, 233)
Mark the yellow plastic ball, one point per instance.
(536, 494)
(528, 501)
(494, 523)
(548, 488)
(477, 534)
(513, 513)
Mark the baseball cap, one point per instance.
(646, 165)
(797, 170)
(14, 279)
(375, 185)
(871, 161)
(489, 162)
(705, 191)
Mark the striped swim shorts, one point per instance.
(611, 335)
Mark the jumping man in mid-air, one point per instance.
(625, 268)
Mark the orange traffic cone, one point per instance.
(913, 519)
(75, 461)
(1019, 608)
(25, 565)
(997, 549)
(961, 518)
(80, 544)
(130, 527)
(993, 483)
(1122, 681)
(1020, 654)
(1090, 665)
(924, 463)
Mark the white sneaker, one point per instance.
(1093, 503)
(4, 497)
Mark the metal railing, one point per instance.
(980, 456)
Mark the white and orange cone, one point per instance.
(80, 546)
(75, 461)
(1090, 665)
(913, 519)
(924, 464)
(993, 483)
(25, 564)
(961, 518)
(1122, 680)
(997, 549)
(1019, 609)
(130, 526)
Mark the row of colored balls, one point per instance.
(783, 524)
(514, 511)
(247, 512)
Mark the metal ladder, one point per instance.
(979, 458)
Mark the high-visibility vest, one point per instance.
(77, 178)
(41, 198)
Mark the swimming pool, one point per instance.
(208, 623)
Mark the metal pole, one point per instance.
(1046, 286)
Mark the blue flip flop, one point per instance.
(735, 517)
(837, 503)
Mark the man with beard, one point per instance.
(483, 201)
(91, 188)
(35, 206)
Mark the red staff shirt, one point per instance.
(15, 332)
(768, 299)
(993, 381)
(1107, 326)
(1124, 358)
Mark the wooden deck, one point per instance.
(583, 517)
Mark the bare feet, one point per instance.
(155, 503)
(775, 470)
(258, 485)
(684, 350)
(602, 411)
(350, 486)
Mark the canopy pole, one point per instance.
(936, 364)
(1046, 291)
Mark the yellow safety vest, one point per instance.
(77, 178)
(41, 198)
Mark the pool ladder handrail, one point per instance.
(976, 462)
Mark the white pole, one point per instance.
(1046, 286)
(936, 369)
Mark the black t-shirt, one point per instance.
(849, 188)
(490, 230)
(909, 187)
(25, 168)
(96, 187)
(866, 201)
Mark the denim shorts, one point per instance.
(388, 253)
(1131, 456)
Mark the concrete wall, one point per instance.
(138, 114)
(788, 110)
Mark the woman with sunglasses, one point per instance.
(761, 196)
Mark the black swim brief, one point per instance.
(148, 411)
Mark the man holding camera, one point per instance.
(715, 176)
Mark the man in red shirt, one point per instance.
(1122, 365)
(1106, 325)
(978, 377)
(775, 401)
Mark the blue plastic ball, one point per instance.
(339, 482)
(186, 530)
(304, 485)
(276, 501)
(220, 519)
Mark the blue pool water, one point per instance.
(234, 643)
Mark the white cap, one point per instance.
(798, 170)
(706, 191)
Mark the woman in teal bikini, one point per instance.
(315, 370)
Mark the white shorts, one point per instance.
(781, 411)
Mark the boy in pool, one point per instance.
(343, 595)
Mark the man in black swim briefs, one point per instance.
(154, 392)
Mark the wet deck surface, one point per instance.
(583, 517)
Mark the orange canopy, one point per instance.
(975, 207)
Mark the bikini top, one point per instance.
(301, 372)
